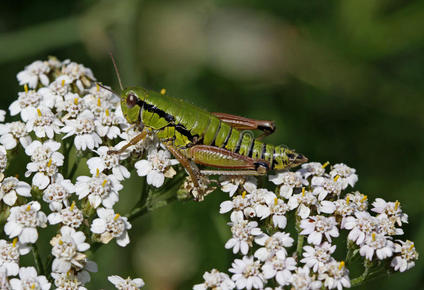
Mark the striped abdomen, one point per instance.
(245, 144)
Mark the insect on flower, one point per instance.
(197, 137)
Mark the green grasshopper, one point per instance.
(196, 136)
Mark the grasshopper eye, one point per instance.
(131, 100)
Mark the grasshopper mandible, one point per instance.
(196, 136)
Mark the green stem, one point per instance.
(359, 280)
(300, 238)
(73, 170)
(136, 212)
(37, 260)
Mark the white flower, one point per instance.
(23, 222)
(280, 267)
(2, 115)
(378, 244)
(107, 124)
(278, 210)
(83, 275)
(71, 104)
(66, 248)
(215, 280)
(361, 226)
(318, 226)
(391, 209)
(26, 100)
(81, 75)
(324, 186)
(45, 161)
(238, 203)
(9, 256)
(312, 169)
(387, 226)
(334, 275)
(156, 167)
(84, 129)
(42, 121)
(11, 187)
(28, 279)
(346, 174)
(303, 202)
(70, 216)
(352, 203)
(55, 92)
(58, 192)
(107, 161)
(230, 184)
(98, 100)
(34, 73)
(100, 189)
(288, 181)
(302, 280)
(126, 284)
(12, 133)
(243, 233)
(3, 161)
(260, 199)
(317, 256)
(4, 282)
(67, 281)
(110, 225)
(247, 273)
(406, 256)
(272, 245)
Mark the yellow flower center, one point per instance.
(325, 164)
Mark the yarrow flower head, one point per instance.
(126, 284)
(29, 279)
(11, 187)
(110, 225)
(23, 222)
(215, 280)
(67, 248)
(247, 273)
(157, 166)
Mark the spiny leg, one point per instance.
(193, 172)
(132, 142)
(242, 123)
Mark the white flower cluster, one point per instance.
(62, 110)
(63, 119)
(321, 211)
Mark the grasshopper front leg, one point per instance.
(140, 137)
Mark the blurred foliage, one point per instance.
(342, 79)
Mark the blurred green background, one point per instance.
(344, 81)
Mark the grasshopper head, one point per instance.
(131, 101)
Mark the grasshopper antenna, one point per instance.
(116, 71)
(106, 88)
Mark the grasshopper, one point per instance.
(196, 136)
